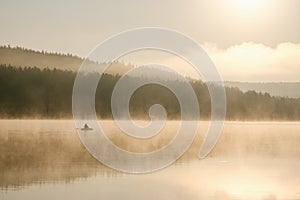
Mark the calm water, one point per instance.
(44, 159)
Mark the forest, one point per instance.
(31, 92)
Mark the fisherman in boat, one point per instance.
(86, 126)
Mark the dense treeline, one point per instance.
(45, 93)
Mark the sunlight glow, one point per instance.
(249, 7)
(249, 4)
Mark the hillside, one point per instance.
(282, 89)
(32, 92)
(22, 57)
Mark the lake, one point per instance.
(44, 159)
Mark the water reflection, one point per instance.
(42, 152)
(43, 158)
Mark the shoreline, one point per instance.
(143, 120)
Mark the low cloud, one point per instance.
(257, 62)
(244, 62)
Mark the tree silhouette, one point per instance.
(47, 93)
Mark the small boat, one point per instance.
(86, 128)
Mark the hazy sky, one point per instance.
(234, 32)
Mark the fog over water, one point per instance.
(252, 160)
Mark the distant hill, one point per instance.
(28, 58)
(282, 89)
(22, 57)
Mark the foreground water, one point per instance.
(44, 159)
